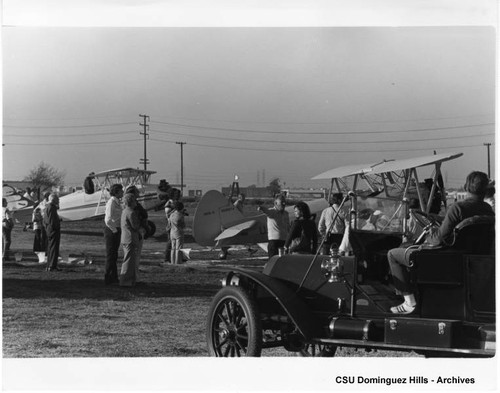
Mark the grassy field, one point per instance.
(72, 313)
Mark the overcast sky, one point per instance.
(249, 91)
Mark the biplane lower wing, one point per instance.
(239, 229)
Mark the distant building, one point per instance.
(292, 194)
(305, 194)
(250, 192)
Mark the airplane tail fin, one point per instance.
(15, 200)
(213, 214)
(19, 205)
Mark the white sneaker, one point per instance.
(403, 308)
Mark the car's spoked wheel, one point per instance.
(234, 328)
(317, 350)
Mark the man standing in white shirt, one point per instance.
(112, 233)
(334, 230)
(278, 225)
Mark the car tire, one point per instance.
(234, 328)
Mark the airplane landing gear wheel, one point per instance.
(234, 328)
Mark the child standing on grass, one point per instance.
(177, 226)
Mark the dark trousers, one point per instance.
(54, 240)
(39, 244)
(112, 242)
(273, 247)
(399, 266)
(6, 240)
(332, 238)
(44, 239)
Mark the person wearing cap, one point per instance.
(130, 239)
(112, 233)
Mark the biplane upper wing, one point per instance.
(344, 171)
(124, 170)
(386, 166)
(415, 162)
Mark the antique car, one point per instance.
(314, 304)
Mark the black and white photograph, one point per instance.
(277, 181)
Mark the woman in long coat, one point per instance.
(130, 240)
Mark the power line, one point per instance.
(70, 144)
(319, 151)
(326, 122)
(72, 126)
(321, 132)
(70, 135)
(317, 143)
(64, 118)
(231, 139)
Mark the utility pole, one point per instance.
(182, 164)
(144, 160)
(488, 148)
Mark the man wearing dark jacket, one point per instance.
(474, 205)
(52, 226)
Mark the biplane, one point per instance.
(81, 205)
(394, 179)
(91, 204)
(217, 223)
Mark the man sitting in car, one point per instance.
(474, 205)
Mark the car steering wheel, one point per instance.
(426, 221)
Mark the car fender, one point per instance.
(288, 299)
